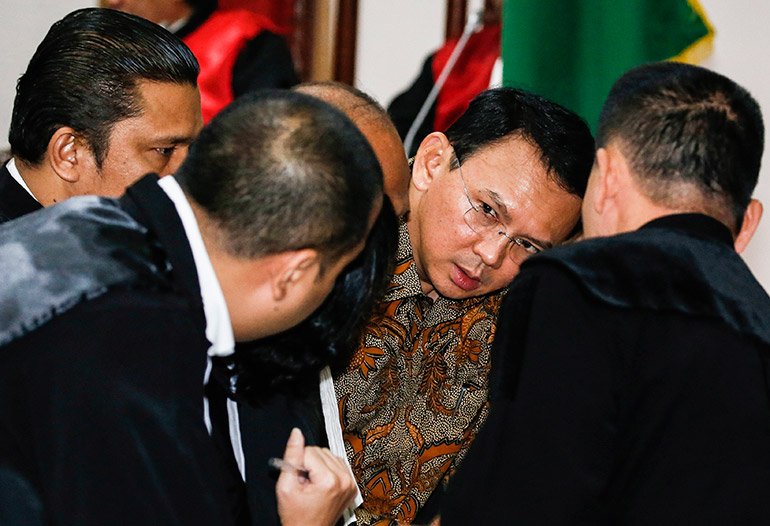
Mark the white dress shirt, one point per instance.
(11, 167)
(219, 330)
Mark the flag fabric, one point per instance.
(572, 51)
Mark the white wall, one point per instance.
(394, 39)
(742, 39)
(25, 23)
(395, 36)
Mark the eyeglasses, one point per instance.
(485, 221)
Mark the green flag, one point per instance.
(571, 51)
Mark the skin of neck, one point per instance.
(47, 187)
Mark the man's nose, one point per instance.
(492, 250)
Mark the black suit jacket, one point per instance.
(14, 200)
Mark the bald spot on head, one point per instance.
(375, 124)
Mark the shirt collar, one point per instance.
(219, 330)
(11, 167)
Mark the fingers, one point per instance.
(294, 453)
(329, 472)
(320, 499)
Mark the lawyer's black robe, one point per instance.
(102, 362)
(631, 388)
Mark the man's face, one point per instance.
(162, 12)
(253, 317)
(507, 179)
(316, 292)
(154, 141)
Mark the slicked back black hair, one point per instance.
(85, 75)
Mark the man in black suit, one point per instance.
(633, 370)
(113, 311)
(106, 98)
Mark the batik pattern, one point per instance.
(415, 393)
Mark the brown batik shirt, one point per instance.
(415, 393)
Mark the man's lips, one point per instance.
(464, 280)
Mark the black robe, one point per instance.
(102, 362)
(264, 426)
(630, 388)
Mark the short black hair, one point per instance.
(85, 75)
(564, 140)
(282, 170)
(278, 171)
(686, 126)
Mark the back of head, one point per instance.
(278, 171)
(563, 138)
(84, 74)
(693, 138)
(374, 122)
(350, 100)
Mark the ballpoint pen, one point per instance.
(281, 464)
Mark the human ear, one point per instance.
(294, 268)
(615, 178)
(751, 218)
(64, 147)
(599, 173)
(433, 156)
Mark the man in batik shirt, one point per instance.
(504, 182)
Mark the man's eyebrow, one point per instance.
(498, 201)
(175, 139)
(499, 205)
